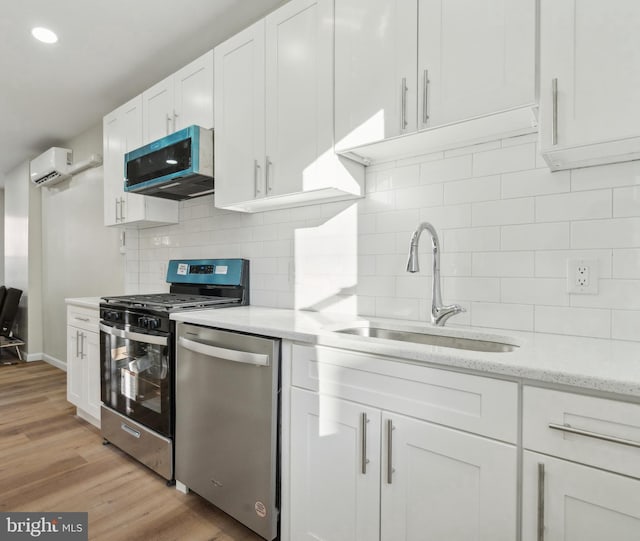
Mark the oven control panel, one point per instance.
(221, 272)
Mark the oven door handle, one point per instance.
(138, 337)
(234, 355)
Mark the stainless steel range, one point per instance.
(137, 355)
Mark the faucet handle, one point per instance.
(443, 313)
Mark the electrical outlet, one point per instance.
(582, 276)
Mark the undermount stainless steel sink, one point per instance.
(441, 340)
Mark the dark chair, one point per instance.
(3, 294)
(9, 310)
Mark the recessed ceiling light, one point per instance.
(44, 34)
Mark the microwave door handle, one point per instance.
(138, 337)
(224, 353)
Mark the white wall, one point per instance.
(507, 226)
(80, 256)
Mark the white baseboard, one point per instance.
(51, 360)
(30, 357)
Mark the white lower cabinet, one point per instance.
(83, 362)
(335, 469)
(361, 472)
(581, 473)
(564, 501)
(444, 484)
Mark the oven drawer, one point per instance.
(83, 318)
(152, 449)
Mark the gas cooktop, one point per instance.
(168, 301)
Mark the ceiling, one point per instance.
(108, 52)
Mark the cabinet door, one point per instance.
(157, 105)
(439, 483)
(376, 49)
(113, 164)
(592, 48)
(579, 503)
(299, 94)
(91, 360)
(74, 367)
(132, 206)
(475, 57)
(240, 117)
(193, 87)
(331, 497)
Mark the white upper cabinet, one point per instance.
(180, 100)
(122, 132)
(274, 107)
(406, 66)
(589, 80)
(239, 110)
(375, 70)
(475, 57)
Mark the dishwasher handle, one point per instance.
(234, 355)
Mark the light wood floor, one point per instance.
(51, 461)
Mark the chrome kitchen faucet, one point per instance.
(439, 313)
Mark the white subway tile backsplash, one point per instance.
(534, 182)
(475, 189)
(605, 176)
(501, 264)
(449, 217)
(614, 233)
(574, 206)
(546, 291)
(445, 170)
(574, 321)
(479, 239)
(616, 294)
(504, 160)
(506, 224)
(535, 236)
(625, 325)
(517, 317)
(510, 211)
(626, 264)
(626, 201)
(472, 289)
(429, 195)
(553, 264)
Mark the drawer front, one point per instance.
(606, 433)
(83, 318)
(476, 404)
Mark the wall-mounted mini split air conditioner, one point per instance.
(56, 165)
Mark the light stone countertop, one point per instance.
(86, 302)
(608, 366)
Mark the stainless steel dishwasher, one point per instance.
(227, 422)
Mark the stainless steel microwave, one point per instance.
(178, 166)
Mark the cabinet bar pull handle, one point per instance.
(117, 213)
(81, 318)
(389, 451)
(540, 501)
(168, 130)
(425, 97)
(77, 343)
(596, 435)
(256, 169)
(175, 115)
(554, 114)
(363, 458)
(82, 345)
(269, 164)
(403, 103)
(122, 215)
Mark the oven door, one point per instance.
(137, 375)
